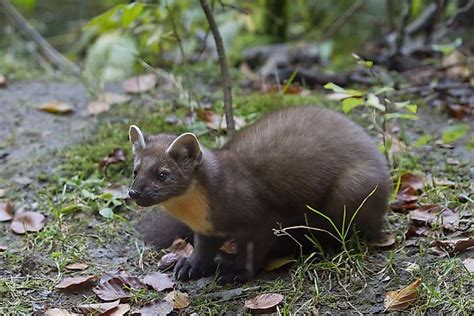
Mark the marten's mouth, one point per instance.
(145, 202)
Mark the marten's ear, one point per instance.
(136, 138)
(185, 149)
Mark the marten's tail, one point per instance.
(160, 229)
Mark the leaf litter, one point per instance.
(115, 157)
(6, 211)
(159, 281)
(403, 298)
(27, 221)
(77, 283)
(264, 302)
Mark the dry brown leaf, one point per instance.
(385, 241)
(77, 283)
(229, 247)
(159, 281)
(264, 301)
(97, 107)
(167, 261)
(6, 211)
(124, 277)
(112, 290)
(27, 221)
(58, 312)
(99, 307)
(469, 264)
(417, 231)
(139, 84)
(428, 215)
(3, 81)
(454, 245)
(156, 308)
(120, 310)
(456, 110)
(78, 266)
(277, 263)
(403, 298)
(181, 248)
(56, 107)
(417, 182)
(179, 299)
(116, 156)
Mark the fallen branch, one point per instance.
(49, 51)
(229, 116)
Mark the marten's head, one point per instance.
(164, 165)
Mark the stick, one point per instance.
(343, 19)
(49, 51)
(229, 116)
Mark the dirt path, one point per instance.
(27, 134)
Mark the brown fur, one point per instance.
(263, 179)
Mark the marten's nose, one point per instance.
(134, 194)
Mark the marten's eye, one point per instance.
(135, 172)
(163, 176)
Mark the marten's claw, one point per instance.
(191, 268)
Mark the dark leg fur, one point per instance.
(201, 262)
(160, 229)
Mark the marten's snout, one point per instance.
(134, 194)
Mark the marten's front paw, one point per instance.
(191, 268)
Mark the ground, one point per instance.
(49, 163)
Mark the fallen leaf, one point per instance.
(155, 308)
(217, 122)
(277, 263)
(58, 312)
(27, 221)
(77, 283)
(3, 248)
(179, 299)
(412, 180)
(119, 191)
(405, 200)
(3, 81)
(417, 231)
(429, 215)
(452, 161)
(116, 156)
(99, 307)
(79, 266)
(181, 248)
(454, 245)
(456, 110)
(114, 98)
(139, 84)
(469, 264)
(229, 247)
(97, 107)
(124, 277)
(403, 298)
(159, 281)
(112, 290)
(56, 107)
(385, 241)
(167, 261)
(264, 302)
(120, 310)
(6, 211)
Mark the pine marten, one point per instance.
(262, 179)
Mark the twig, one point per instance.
(343, 19)
(49, 51)
(402, 28)
(229, 116)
